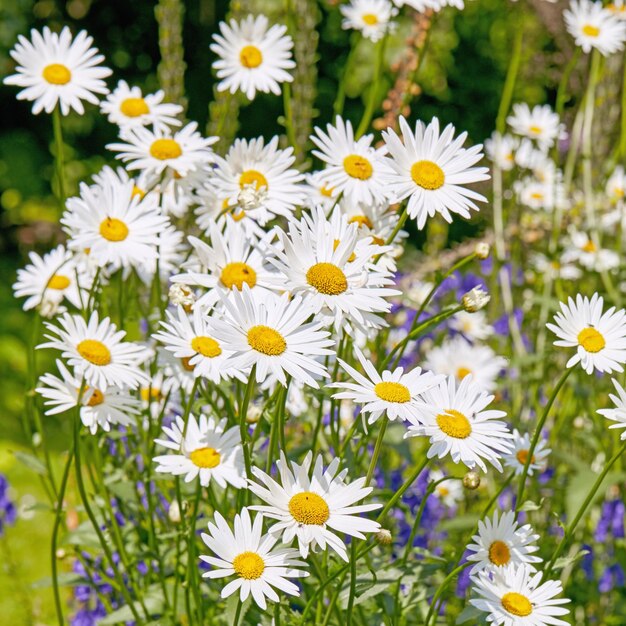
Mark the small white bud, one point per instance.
(383, 537)
(48, 307)
(475, 300)
(181, 294)
(250, 197)
(174, 512)
(482, 250)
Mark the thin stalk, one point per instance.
(352, 578)
(340, 98)
(377, 447)
(537, 434)
(374, 87)
(441, 589)
(58, 157)
(243, 411)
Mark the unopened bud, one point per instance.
(180, 294)
(60, 554)
(174, 512)
(36, 439)
(482, 250)
(471, 480)
(383, 537)
(250, 197)
(475, 299)
(254, 414)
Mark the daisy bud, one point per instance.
(250, 197)
(36, 440)
(383, 537)
(48, 308)
(60, 553)
(482, 250)
(174, 512)
(471, 480)
(475, 299)
(253, 415)
(181, 294)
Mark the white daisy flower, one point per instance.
(99, 408)
(533, 157)
(153, 152)
(473, 326)
(554, 268)
(500, 149)
(334, 273)
(546, 193)
(118, 226)
(263, 168)
(618, 8)
(583, 249)
(310, 508)
(593, 26)
(618, 414)
(516, 459)
(96, 352)
(514, 596)
(251, 557)
(319, 192)
(354, 168)
(373, 18)
(190, 339)
(251, 57)
(204, 449)
(457, 424)
(272, 333)
(450, 492)
(232, 259)
(540, 124)
(500, 542)
(616, 185)
(458, 358)
(599, 338)
(56, 69)
(394, 394)
(171, 253)
(50, 279)
(129, 108)
(432, 170)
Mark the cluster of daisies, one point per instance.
(278, 286)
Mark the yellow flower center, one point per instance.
(361, 220)
(591, 340)
(252, 177)
(516, 604)
(522, 456)
(443, 491)
(309, 508)
(248, 565)
(357, 167)
(250, 57)
(57, 74)
(454, 424)
(535, 130)
(266, 340)
(591, 31)
(59, 282)
(134, 107)
(206, 346)
(236, 274)
(462, 372)
(138, 192)
(499, 553)
(96, 398)
(589, 246)
(206, 458)
(113, 229)
(94, 351)
(370, 19)
(392, 392)
(327, 192)
(150, 393)
(536, 195)
(186, 365)
(164, 149)
(327, 279)
(427, 175)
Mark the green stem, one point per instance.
(377, 447)
(352, 577)
(537, 434)
(582, 510)
(511, 78)
(291, 135)
(374, 87)
(58, 156)
(340, 98)
(441, 589)
(243, 412)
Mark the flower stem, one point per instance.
(374, 87)
(58, 157)
(377, 447)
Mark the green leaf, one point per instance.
(580, 486)
(565, 561)
(153, 601)
(529, 505)
(31, 461)
(65, 579)
(471, 613)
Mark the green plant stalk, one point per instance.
(340, 98)
(441, 589)
(569, 531)
(243, 411)
(377, 448)
(511, 79)
(622, 136)
(353, 572)
(537, 434)
(381, 46)
(58, 157)
(288, 110)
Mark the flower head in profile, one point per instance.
(501, 541)
(203, 448)
(540, 123)
(515, 596)
(599, 337)
(250, 556)
(313, 506)
(56, 69)
(393, 393)
(458, 423)
(594, 26)
(252, 57)
(128, 107)
(432, 170)
(96, 351)
(618, 414)
(516, 459)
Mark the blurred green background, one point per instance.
(461, 81)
